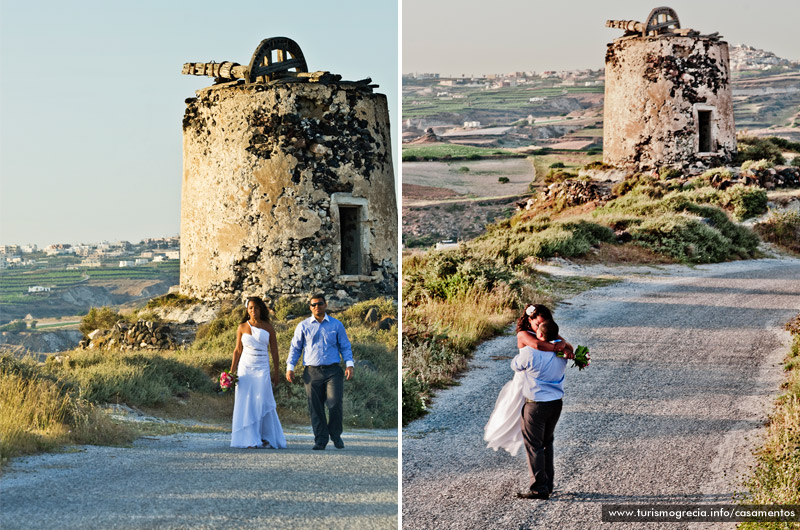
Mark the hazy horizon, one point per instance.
(478, 38)
(92, 100)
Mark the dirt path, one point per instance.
(685, 364)
(198, 481)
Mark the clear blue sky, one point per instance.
(92, 98)
(483, 37)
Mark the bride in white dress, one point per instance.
(504, 430)
(255, 418)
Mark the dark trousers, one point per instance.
(325, 386)
(538, 423)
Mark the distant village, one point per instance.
(105, 254)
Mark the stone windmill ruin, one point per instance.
(288, 184)
(667, 96)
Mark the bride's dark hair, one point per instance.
(263, 312)
(524, 323)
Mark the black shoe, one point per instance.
(318, 447)
(337, 442)
(543, 495)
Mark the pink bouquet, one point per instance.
(227, 380)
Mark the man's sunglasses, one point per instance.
(315, 304)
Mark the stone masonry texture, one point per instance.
(655, 86)
(266, 169)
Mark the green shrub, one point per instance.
(463, 169)
(409, 158)
(413, 403)
(783, 143)
(633, 182)
(423, 241)
(555, 175)
(556, 165)
(723, 172)
(598, 165)
(474, 156)
(752, 148)
(747, 201)
(796, 161)
(669, 173)
(227, 320)
(99, 318)
(691, 239)
(15, 326)
(172, 300)
(757, 165)
(503, 180)
(290, 307)
(138, 379)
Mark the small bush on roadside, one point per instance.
(413, 400)
(746, 201)
(776, 474)
(556, 165)
(503, 180)
(463, 169)
(39, 414)
(783, 229)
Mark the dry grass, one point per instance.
(467, 318)
(776, 477)
(38, 415)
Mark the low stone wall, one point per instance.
(143, 335)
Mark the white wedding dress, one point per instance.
(255, 417)
(504, 430)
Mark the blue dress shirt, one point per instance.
(544, 374)
(319, 343)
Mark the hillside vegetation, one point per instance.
(452, 300)
(48, 404)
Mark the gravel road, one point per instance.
(197, 481)
(685, 363)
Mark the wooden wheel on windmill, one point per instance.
(274, 58)
(659, 19)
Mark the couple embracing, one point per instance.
(321, 340)
(528, 406)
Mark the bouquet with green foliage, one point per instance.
(581, 358)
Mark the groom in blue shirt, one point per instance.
(322, 340)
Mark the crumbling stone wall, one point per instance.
(656, 88)
(267, 168)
